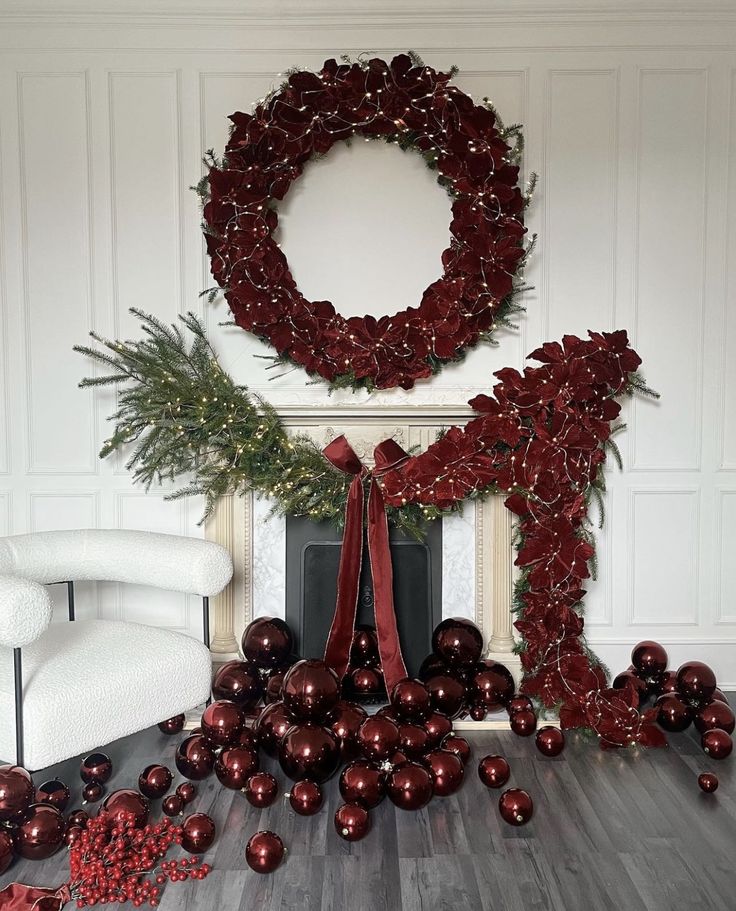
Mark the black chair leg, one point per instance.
(18, 670)
(70, 595)
(206, 627)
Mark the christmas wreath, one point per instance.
(418, 108)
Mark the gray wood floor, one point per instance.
(625, 831)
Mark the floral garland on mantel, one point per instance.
(540, 440)
(416, 107)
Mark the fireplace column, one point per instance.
(498, 569)
(221, 528)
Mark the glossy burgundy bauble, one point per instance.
(550, 741)
(53, 792)
(264, 852)
(447, 771)
(172, 725)
(72, 834)
(92, 792)
(719, 696)
(96, 767)
(172, 805)
(222, 722)
(270, 727)
(491, 684)
(235, 765)
(494, 771)
(519, 704)
(362, 782)
(366, 681)
(714, 714)
(261, 789)
(708, 782)
(78, 818)
(311, 690)
(364, 648)
(126, 800)
(198, 833)
(187, 791)
(378, 738)
(477, 711)
(267, 642)
(306, 797)
(457, 745)
(696, 682)
(309, 751)
(447, 695)
(7, 851)
(673, 713)
(630, 679)
(16, 791)
(154, 781)
(352, 821)
(516, 806)
(411, 700)
(274, 687)
(716, 743)
(409, 786)
(433, 666)
(195, 757)
(523, 723)
(649, 659)
(437, 726)
(344, 722)
(665, 684)
(40, 832)
(238, 681)
(247, 738)
(457, 641)
(413, 741)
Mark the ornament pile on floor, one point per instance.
(406, 751)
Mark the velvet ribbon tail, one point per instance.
(17, 897)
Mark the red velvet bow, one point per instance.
(387, 455)
(17, 897)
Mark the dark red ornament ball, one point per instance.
(309, 751)
(270, 727)
(413, 741)
(96, 767)
(92, 792)
(154, 781)
(344, 722)
(124, 801)
(264, 852)
(516, 806)
(311, 690)
(222, 722)
(7, 850)
(187, 791)
(235, 765)
(352, 821)
(409, 786)
(40, 832)
(457, 641)
(195, 757)
(53, 792)
(238, 681)
(378, 738)
(261, 789)
(306, 797)
(708, 782)
(16, 791)
(173, 725)
(267, 642)
(550, 741)
(478, 711)
(448, 695)
(362, 782)
(523, 723)
(198, 833)
(447, 771)
(437, 726)
(715, 714)
(494, 771)
(717, 744)
(649, 659)
(411, 700)
(457, 745)
(696, 682)
(673, 713)
(519, 704)
(492, 685)
(172, 805)
(366, 681)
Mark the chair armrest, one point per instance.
(25, 611)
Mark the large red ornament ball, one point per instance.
(715, 715)
(411, 700)
(311, 690)
(447, 694)
(434, 666)
(364, 783)
(195, 757)
(306, 797)
(550, 741)
(352, 821)
(344, 721)
(238, 681)
(267, 642)
(56, 793)
(154, 781)
(673, 713)
(7, 850)
(40, 832)
(172, 725)
(198, 833)
(96, 767)
(235, 765)
(261, 789)
(457, 641)
(438, 726)
(413, 741)
(630, 679)
(364, 649)
(270, 727)
(409, 786)
(491, 684)
(457, 745)
(717, 744)
(447, 771)
(707, 782)
(124, 801)
(519, 704)
(366, 681)
(696, 682)
(378, 738)
(222, 722)
(523, 723)
(494, 771)
(649, 659)
(264, 852)
(309, 751)
(516, 806)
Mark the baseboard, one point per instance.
(718, 652)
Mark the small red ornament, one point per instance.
(311, 690)
(457, 745)
(352, 821)
(270, 727)
(344, 723)
(715, 714)
(667, 683)
(649, 659)
(378, 738)
(491, 684)
(458, 642)
(519, 704)
(478, 711)
(195, 757)
(53, 792)
(708, 782)
(364, 650)
(309, 751)
(96, 767)
(366, 681)
(413, 740)
(362, 782)
(717, 744)
(264, 852)
(267, 642)
(673, 713)
(187, 791)
(438, 726)
(409, 786)
(696, 682)
(154, 781)
(119, 803)
(434, 666)
(78, 818)
(7, 851)
(448, 695)
(222, 722)
(235, 765)
(550, 741)
(494, 771)
(516, 806)
(92, 792)
(173, 725)
(238, 682)
(261, 789)
(447, 771)
(306, 797)
(172, 805)
(198, 833)
(274, 688)
(40, 832)
(523, 723)
(411, 700)
(16, 791)
(719, 696)
(633, 681)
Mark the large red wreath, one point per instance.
(402, 101)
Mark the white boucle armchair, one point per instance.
(66, 688)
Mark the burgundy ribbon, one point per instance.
(17, 897)
(387, 455)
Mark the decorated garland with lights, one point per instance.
(418, 108)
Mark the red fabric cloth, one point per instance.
(17, 897)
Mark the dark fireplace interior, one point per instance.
(312, 560)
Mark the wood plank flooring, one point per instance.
(616, 831)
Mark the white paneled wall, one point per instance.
(630, 115)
